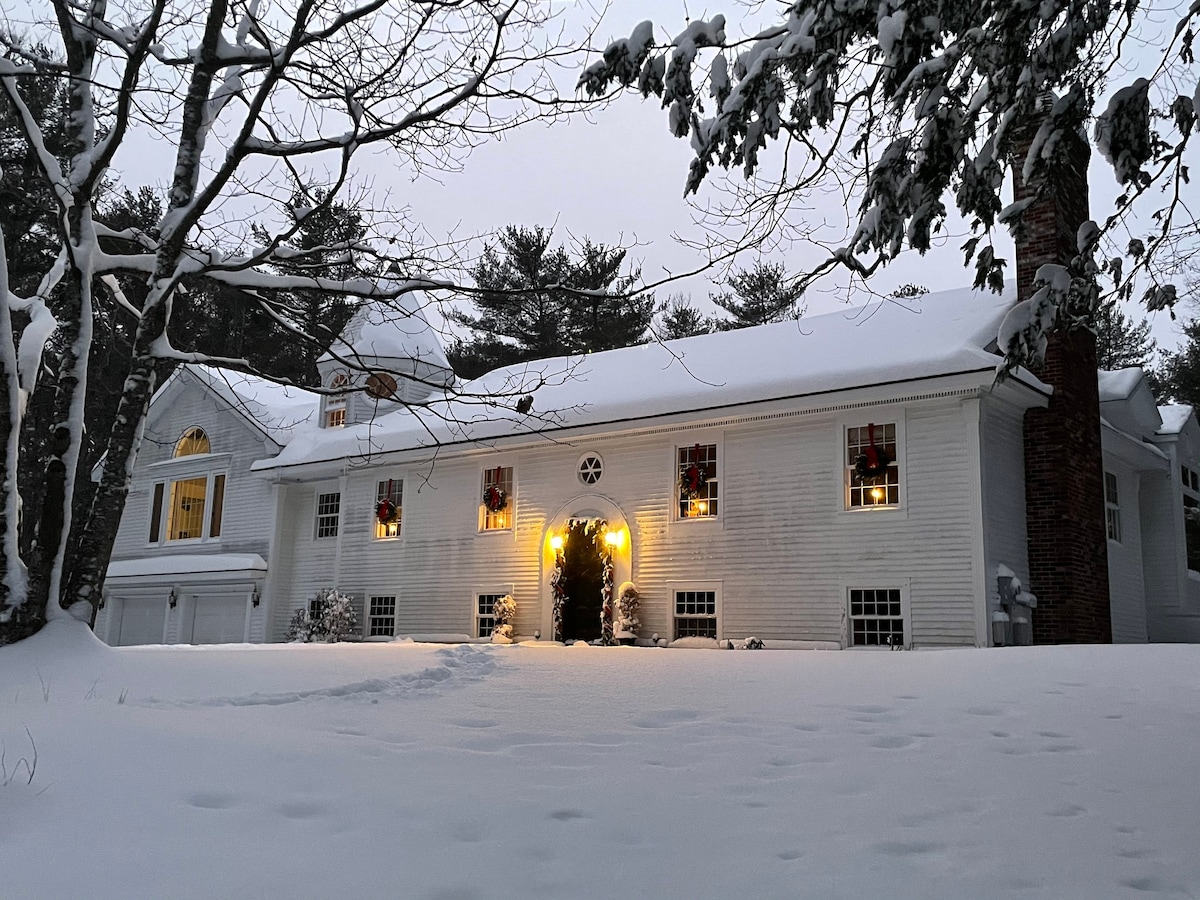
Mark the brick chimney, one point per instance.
(1064, 466)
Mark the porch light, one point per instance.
(556, 543)
(172, 599)
(614, 539)
(255, 596)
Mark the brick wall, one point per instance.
(1064, 465)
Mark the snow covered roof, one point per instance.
(186, 564)
(389, 330)
(1119, 385)
(275, 408)
(938, 334)
(1174, 417)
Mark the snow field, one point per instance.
(454, 773)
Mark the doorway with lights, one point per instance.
(587, 554)
(581, 579)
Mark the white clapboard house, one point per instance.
(723, 475)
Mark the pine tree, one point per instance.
(761, 294)
(1178, 379)
(680, 319)
(536, 301)
(1120, 342)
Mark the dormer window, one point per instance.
(335, 404)
(194, 441)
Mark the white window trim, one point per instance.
(164, 514)
(499, 590)
(481, 511)
(374, 501)
(860, 419)
(717, 587)
(716, 438)
(366, 615)
(877, 584)
(603, 469)
(316, 514)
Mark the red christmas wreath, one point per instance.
(494, 498)
(693, 476)
(385, 510)
(874, 460)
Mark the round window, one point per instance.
(591, 467)
(381, 386)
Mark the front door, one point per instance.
(582, 580)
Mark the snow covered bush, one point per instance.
(329, 616)
(504, 610)
(628, 601)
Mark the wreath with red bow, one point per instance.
(385, 510)
(693, 476)
(874, 460)
(494, 498)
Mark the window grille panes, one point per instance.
(186, 519)
(591, 467)
(335, 417)
(393, 490)
(485, 622)
(702, 503)
(876, 618)
(876, 490)
(1112, 507)
(381, 617)
(194, 441)
(500, 477)
(695, 614)
(329, 507)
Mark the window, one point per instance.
(876, 618)
(695, 614)
(1191, 516)
(391, 490)
(187, 500)
(194, 441)
(697, 475)
(485, 622)
(1112, 508)
(381, 616)
(591, 467)
(329, 509)
(381, 386)
(872, 468)
(335, 404)
(496, 503)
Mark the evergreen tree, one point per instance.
(761, 294)
(681, 319)
(325, 233)
(535, 301)
(1178, 379)
(1120, 342)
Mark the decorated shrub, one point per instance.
(329, 616)
(504, 611)
(628, 601)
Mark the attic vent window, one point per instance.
(381, 386)
(591, 467)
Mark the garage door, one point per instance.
(141, 621)
(220, 618)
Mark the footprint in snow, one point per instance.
(667, 717)
(212, 800)
(566, 815)
(301, 809)
(891, 742)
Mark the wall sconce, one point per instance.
(172, 599)
(614, 539)
(556, 543)
(255, 596)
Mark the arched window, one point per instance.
(194, 441)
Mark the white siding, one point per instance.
(1126, 584)
(1006, 540)
(784, 549)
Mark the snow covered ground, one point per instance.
(452, 773)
